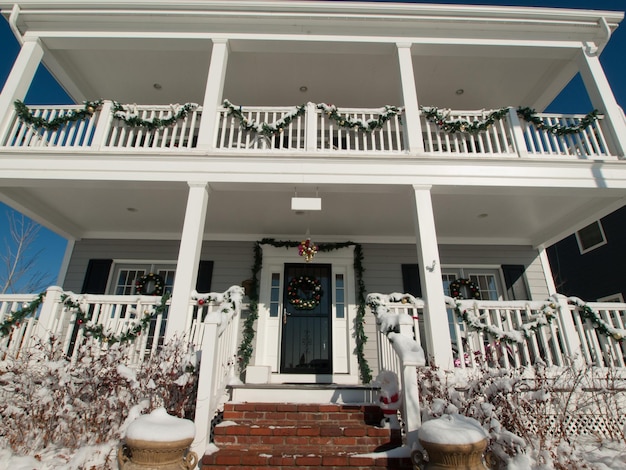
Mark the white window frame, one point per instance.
(597, 245)
(619, 298)
(467, 270)
(148, 265)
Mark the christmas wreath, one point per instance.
(150, 284)
(457, 284)
(310, 287)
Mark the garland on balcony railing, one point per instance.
(14, 319)
(263, 128)
(38, 122)
(246, 348)
(131, 118)
(527, 114)
(474, 323)
(127, 114)
(97, 331)
(367, 126)
(600, 325)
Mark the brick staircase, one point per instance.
(303, 436)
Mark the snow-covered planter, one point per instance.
(452, 441)
(158, 441)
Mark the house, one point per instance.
(588, 263)
(315, 152)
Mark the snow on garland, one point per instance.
(14, 319)
(384, 114)
(128, 114)
(27, 117)
(81, 309)
(150, 284)
(246, 346)
(312, 289)
(263, 128)
(474, 322)
(440, 118)
(600, 325)
(229, 303)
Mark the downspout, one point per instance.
(15, 12)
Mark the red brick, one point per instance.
(355, 432)
(308, 408)
(289, 407)
(309, 460)
(227, 459)
(260, 431)
(331, 431)
(265, 407)
(336, 460)
(308, 431)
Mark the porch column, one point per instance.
(413, 126)
(20, 78)
(188, 258)
(438, 341)
(602, 98)
(213, 94)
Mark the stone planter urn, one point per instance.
(451, 442)
(158, 441)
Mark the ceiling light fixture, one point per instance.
(303, 89)
(460, 91)
(157, 86)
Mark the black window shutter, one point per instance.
(411, 280)
(205, 275)
(516, 288)
(97, 276)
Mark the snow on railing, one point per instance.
(19, 335)
(588, 142)
(75, 134)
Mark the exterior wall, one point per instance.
(597, 273)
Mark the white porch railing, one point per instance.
(313, 132)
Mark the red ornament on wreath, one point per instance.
(457, 285)
(304, 292)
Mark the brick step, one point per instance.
(285, 436)
(270, 457)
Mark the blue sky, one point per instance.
(45, 91)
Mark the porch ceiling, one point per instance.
(342, 73)
(349, 212)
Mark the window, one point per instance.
(590, 237)
(127, 274)
(612, 298)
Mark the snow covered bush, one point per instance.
(49, 403)
(536, 419)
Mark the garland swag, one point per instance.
(527, 114)
(246, 348)
(128, 115)
(263, 128)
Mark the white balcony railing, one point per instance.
(313, 132)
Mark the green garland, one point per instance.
(120, 112)
(587, 313)
(528, 114)
(130, 118)
(27, 117)
(246, 349)
(97, 331)
(263, 128)
(14, 319)
(368, 126)
(510, 337)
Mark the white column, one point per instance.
(602, 98)
(547, 270)
(20, 78)
(413, 126)
(438, 342)
(188, 258)
(213, 93)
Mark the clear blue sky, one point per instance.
(45, 91)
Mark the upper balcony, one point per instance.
(309, 130)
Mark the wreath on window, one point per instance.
(457, 284)
(150, 284)
(304, 292)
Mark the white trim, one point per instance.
(547, 271)
(584, 250)
(65, 263)
(619, 297)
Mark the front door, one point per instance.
(306, 320)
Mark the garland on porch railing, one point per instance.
(127, 114)
(587, 313)
(14, 319)
(97, 331)
(474, 323)
(451, 126)
(367, 126)
(246, 349)
(37, 122)
(263, 128)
